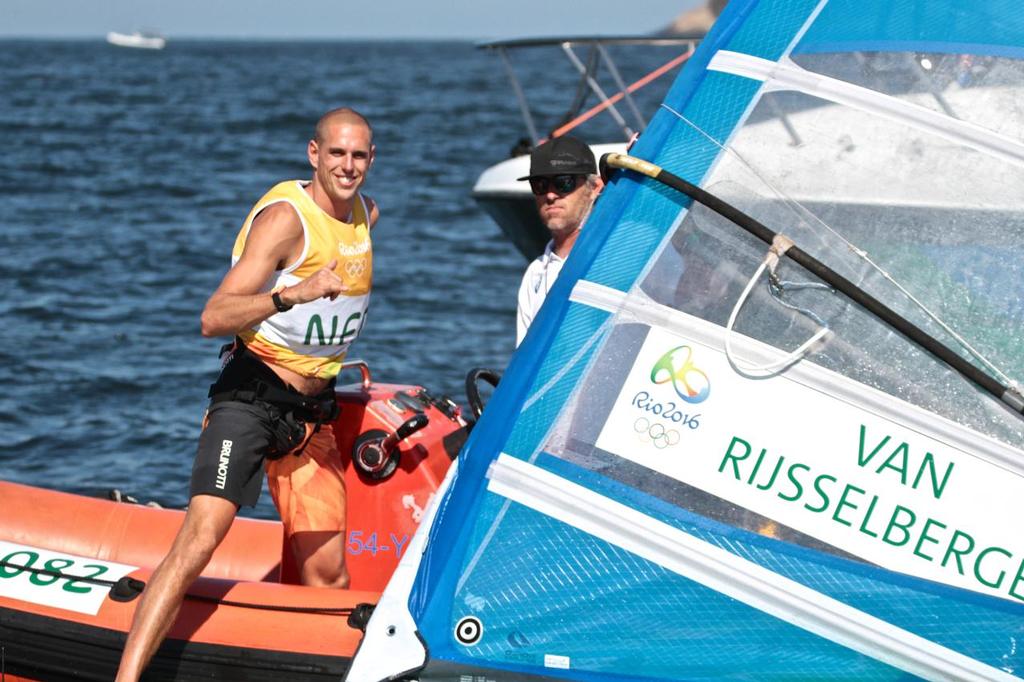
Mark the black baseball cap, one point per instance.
(561, 156)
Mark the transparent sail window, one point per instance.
(943, 220)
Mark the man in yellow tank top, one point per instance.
(295, 297)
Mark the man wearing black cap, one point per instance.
(564, 180)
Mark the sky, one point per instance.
(337, 19)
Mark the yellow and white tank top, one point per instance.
(312, 338)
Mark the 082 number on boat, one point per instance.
(41, 576)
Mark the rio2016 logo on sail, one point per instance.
(689, 383)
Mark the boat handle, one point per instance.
(364, 369)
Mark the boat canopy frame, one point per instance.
(587, 70)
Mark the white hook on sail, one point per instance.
(779, 246)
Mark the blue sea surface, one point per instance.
(124, 177)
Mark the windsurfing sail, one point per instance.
(708, 462)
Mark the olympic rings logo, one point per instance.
(655, 433)
(355, 268)
(691, 384)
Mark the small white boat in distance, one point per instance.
(145, 40)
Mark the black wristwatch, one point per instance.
(281, 306)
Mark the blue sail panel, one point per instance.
(553, 385)
(996, 28)
(550, 590)
(437, 573)
(547, 591)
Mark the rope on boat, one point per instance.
(322, 610)
(1009, 394)
(58, 574)
(127, 589)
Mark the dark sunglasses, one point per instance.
(559, 184)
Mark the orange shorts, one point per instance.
(309, 490)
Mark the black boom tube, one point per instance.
(984, 381)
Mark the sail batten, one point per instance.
(724, 572)
(788, 76)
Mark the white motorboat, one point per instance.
(145, 40)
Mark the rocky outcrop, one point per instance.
(696, 21)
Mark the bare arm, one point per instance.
(275, 239)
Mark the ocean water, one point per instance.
(124, 177)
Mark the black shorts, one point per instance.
(239, 434)
(232, 447)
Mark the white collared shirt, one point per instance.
(537, 282)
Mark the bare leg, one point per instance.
(309, 493)
(320, 557)
(206, 523)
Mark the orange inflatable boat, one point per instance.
(71, 567)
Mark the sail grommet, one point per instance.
(469, 630)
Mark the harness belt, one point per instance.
(246, 379)
(320, 408)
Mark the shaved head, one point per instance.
(340, 115)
